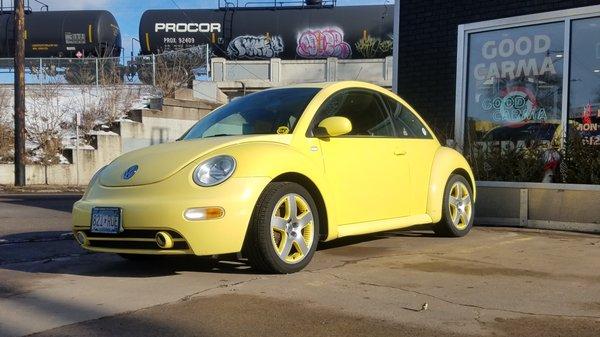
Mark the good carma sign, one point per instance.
(510, 58)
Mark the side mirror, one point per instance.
(332, 127)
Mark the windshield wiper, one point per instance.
(219, 135)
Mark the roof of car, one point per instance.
(325, 84)
(309, 85)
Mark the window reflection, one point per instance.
(514, 98)
(584, 95)
(515, 82)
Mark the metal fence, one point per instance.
(186, 64)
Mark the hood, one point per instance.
(159, 162)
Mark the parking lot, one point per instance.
(495, 281)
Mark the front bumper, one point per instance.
(147, 209)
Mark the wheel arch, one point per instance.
(446, 161)
(462, 172)
(314, 191)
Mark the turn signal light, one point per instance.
(203, 213)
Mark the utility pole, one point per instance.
(19, 38)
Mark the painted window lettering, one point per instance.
(182, 27)
(514, 104)
(495, 51)
(514, 85)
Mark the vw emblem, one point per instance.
(130, 172)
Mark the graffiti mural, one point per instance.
(371, 47)
(324, 42)
(255, 46)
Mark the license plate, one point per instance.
(106, 220)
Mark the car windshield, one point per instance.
(273, 111)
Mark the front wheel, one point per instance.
(457, 208)
(284, 229)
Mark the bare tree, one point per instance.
(115, 101)
(84, 105)
(7, 136)
(104, 104)
(173, 69)
(47, 122)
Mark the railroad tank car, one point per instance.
(64, 34)
(282, 32)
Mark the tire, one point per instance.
(277, 240)
(457, 209)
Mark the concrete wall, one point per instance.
(231, 78)
(88, 159)
(147, 127)
(277, 72)
(536, 205)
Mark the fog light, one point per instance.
(164, 240)
(203, 213)
(82, 238)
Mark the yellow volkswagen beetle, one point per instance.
(272, 173)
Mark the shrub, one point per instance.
(46, 123)
(7, 139)
(581, 162)
(502, 161)
(7, 135)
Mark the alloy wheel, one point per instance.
(461, 207)
(292, 227)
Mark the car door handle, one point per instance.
(399, 152)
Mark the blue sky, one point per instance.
(129, 12)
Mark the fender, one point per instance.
(272, 159)
(445, 161)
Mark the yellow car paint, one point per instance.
(366, 184)
(446, 161)
(357, 169)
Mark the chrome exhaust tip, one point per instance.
(81, 238)
(164, 240)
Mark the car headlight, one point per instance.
(214, 171)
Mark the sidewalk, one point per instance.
(34, 189)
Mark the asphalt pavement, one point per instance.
(494, 282)
(35, 215)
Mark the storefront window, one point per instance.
(514, 98)
(584, 93)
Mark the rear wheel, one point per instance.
(284, 229)
(458, 210)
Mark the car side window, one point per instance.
(363, 108)
(407, 124)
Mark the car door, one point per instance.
(365, 170)
(419, 147)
